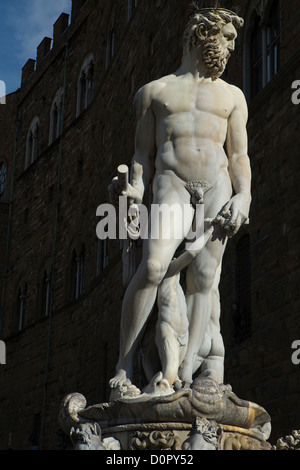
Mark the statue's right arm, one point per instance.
(143, 162)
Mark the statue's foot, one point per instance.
(120, 380)
(121, 387)
(158, 386)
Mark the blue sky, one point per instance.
(24, 24)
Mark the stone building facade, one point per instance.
(64, 133)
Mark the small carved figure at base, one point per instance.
(204, 436)
(88, 437)
(158, 386)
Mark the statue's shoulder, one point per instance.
(149, 92)
(238, 97)
(234, 90)
(237, 94)
(151, 89)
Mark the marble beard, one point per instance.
(185, 121)
(214, 58)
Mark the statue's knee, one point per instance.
(206, 283)
(155, 272)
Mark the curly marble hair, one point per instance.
(205, 23)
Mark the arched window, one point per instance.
(3, 173)
(32, 143)
(85, 85)
(77, 273)
(21, 307)
(56, 116)
(265, 47)
(242, 314)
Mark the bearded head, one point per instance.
(208, 28)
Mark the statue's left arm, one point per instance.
(238, 164)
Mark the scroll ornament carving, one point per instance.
(155, 440)
(291, 442)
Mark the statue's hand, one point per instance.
(133, 194)
(234, 214)
(115, 192)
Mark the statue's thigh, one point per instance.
(216, 198)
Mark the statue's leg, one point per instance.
(172, 327)
(141, 292)
(213, 363)
(137, 306)
(201, 280)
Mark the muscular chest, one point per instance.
(182, 98)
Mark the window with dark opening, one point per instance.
(46, 293)
(273, 41)
(85, 85)
(132, 4)
(257, 58)
(242, 307)
(32, 143)
(56, 116)
(102, 256)
(265, 49)
(21, 307)
(77, 273)
(110, 47)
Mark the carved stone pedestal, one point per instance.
(150, 436)
(204, 435)
(206, 416)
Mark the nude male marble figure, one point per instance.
(191, 132)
